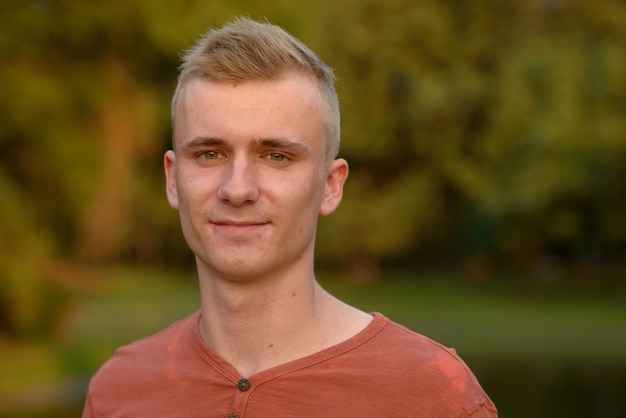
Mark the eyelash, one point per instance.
(273, 155)
(215, 155)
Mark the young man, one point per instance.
(253, 165)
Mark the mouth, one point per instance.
(237, 227)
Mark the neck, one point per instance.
(262, 324)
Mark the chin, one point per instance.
(236, 270)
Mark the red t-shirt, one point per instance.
(384, 371)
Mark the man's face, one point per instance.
(249, 177)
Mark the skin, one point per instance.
(249, 177)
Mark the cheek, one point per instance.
(189, 195)
(305, 197)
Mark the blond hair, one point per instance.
(247, 50)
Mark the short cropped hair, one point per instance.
(247, 50)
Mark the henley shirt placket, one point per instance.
(242, 394)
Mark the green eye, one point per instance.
(275, 156)
(211, 155)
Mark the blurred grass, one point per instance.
(131, 304)
(490, 323)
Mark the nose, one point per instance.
(238, 185)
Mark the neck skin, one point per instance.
(257, 325)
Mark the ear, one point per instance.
(336, 176)
(169, 163)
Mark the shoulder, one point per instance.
(154, 376)
(420, 354)
(431, 370)
(141, 359)
(163, 341)
(407, 344)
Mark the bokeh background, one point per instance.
(486, 205)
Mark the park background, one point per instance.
(486, 205)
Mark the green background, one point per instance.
(486, 205)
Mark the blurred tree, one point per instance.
(82, 129)
(504, 113)
(475, 129)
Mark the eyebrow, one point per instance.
(283, 144)
(278, 143)
(199, 142)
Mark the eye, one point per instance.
(211, 155)
(276, 156)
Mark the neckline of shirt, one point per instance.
(223, 367)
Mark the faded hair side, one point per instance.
(247, 50)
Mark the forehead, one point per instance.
(290, 107)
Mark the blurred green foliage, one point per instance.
(481, 133)
(483, 128)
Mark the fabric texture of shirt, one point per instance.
(385, 370)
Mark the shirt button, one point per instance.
(233, 415)
(243, 385)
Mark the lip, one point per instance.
(237, 227)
